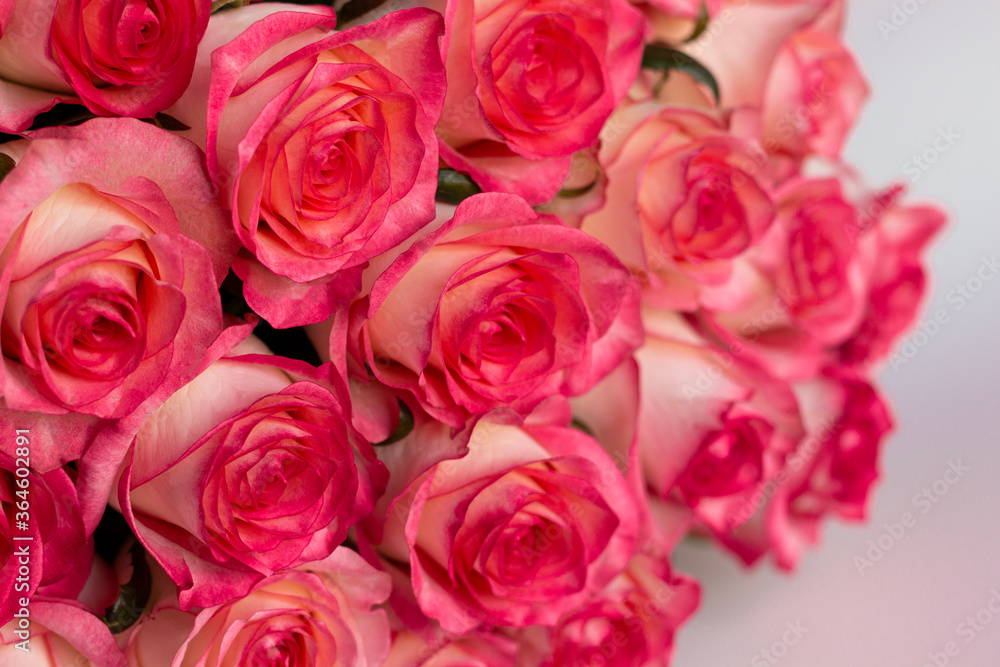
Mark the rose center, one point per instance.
(729, 461)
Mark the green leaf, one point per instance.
(580, 426)
(700, 23)
(219, 5)
(133, 596)
(6, 165)
(571, 193)
(166, 122)
(665, 59)
(454, 187)
(403, 427)
(355, 9)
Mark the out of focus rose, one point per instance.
(109, 282)
(323, 616)
(739, 48)
(43, 546)
(813, 97)
(632, 622)
(61, 633)
(712, 426)
(499, 307)
(250, 469)
(529, 83)
(809, 278)
(685, 200)
(830, 474)
(526, 527)
(898, 281)
(322, 143)
(119, 58)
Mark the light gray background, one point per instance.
(940, 70)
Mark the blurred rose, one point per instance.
(831, 473)
(684, 202)
(529, 83)
(712, 426)
(250, 469)
(503, 308)
(632, 622)
(740, 47)
(899, 280)
(120, 58)
(808, 285)
(323, 616)
(813, 97)
(105, 298)
(527, 526)
(322, 143)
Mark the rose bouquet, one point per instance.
(419, 332)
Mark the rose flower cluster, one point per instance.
(420, 332)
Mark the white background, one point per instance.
(940, 70)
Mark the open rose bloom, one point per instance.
(420, 332)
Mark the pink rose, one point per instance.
(500, 307)
(740, 49)
(43, 547)
(323, 616)
(109, 286)
(61, 634)
(632, 622)
(813, 97)
(899, 281)
(250, 469)
(712, 427)
(322, 143)
(831, 473)
(119, 59)
(684, 203)
(810, 279)
(523, 529)
(529, 83)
